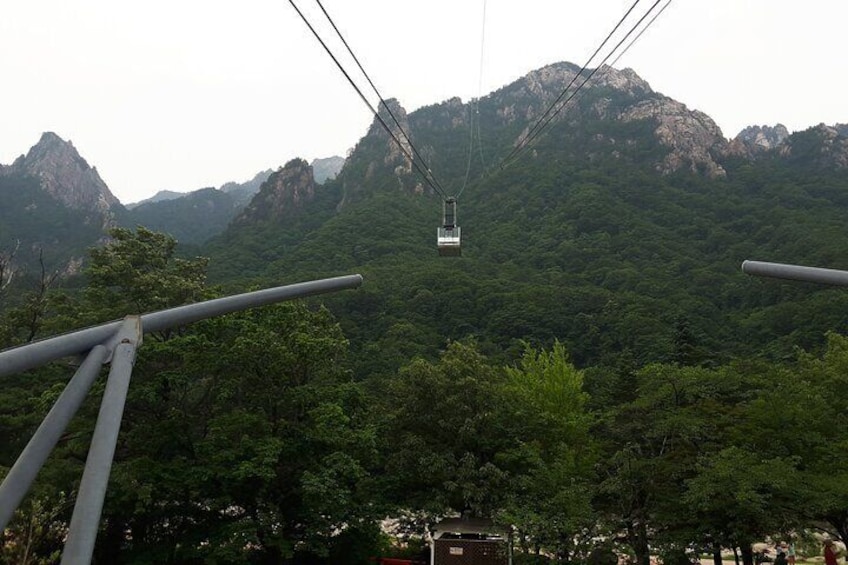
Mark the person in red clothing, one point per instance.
(829, 552)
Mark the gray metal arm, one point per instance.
(795, 273)
(116, 342)
(44, 351)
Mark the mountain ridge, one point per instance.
(617, 118)
(66, 176)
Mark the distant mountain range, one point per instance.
(628, 212)
(324, 169)
(55, 205)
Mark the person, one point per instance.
(829, 552)
(790, 553)
(780, 558)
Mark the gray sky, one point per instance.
(183, 94)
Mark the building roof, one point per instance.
(467, 526)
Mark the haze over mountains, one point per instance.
(629, 203)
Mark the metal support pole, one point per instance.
(46, 350)
(795, 273)
(29, 463)
(85, 520)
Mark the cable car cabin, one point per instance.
(448, 235)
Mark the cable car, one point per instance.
(447, 236)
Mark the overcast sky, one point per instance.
(184, 94)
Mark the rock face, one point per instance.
(327, 168)
(694, 139)
(822, 146)
(243, 192)
(285, 192)
(394, 116)
(754, 141)
(763, 137)
(66, 176)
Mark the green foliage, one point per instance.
(36, 534)
(744, 494)
(246, 437)
(552, 455)
(442, 439)
(48, 232)
(190, 219)
(593, 367)
(137, 272)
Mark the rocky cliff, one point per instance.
(66, 176)
(690, 140)
(756, 141)
(820, 146)
(285, 192)
(243, 192)
(327, 168)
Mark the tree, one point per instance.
(652, 444)
(138, 272)
(442, 437)
(7, 267)
(552, 456)
(804, 417)
(742, 496)
(243, 439)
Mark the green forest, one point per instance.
(594, 373)
(261, 438)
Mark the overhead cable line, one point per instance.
(521, 144)
(377, 92)
(635, 39)
(480, 86)
(474, 111)
(594, 71)
(470, 150)
(528, 140)
(425, 174)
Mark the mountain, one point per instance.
(328, 168)
(160, 196)
(53, 206)
(285, 192)
(243, 192)
(196, 216)
(623, 221)
(755, 140)
(191, 219)
(822, 146)
(42, 234)
(66, 176)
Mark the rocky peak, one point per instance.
(327, 168)
(243, 192)
(285, 191)
(65, 175)
(694, 139)
(394, 155)
(821, 145)
(754, 140)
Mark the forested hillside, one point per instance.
(594, 374)
(586, 238)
